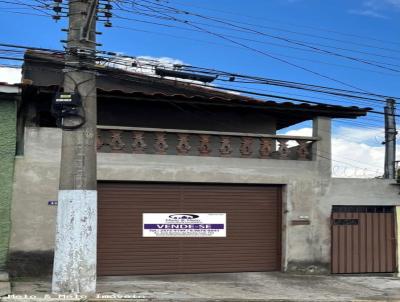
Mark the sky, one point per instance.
(367, 30)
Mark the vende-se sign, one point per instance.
(184, 224)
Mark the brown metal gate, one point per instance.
(253, 241)
(363, 239)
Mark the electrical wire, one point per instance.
(380, 55)
(23, 13)
(320, 156)
(242, 91)
(249, 30)
(296, 25)
(274, 53)
(257, 80)
(34, 7)
(241, 38)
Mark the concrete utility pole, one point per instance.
(390, 139)
(74, 268)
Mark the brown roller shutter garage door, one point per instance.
(253, 241)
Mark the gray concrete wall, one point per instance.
(308, 192)
(35, 183)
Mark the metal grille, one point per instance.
(362, 209)
(253, 241)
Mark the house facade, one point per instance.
(166, 147)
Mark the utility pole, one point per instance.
(74, 268)
(390, 139)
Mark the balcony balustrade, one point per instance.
(203, 143)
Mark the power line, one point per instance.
(35, 7)
(270, 96)
(296, 87)
(300, 43)
(272, 56)
(253, 49)
(313, 43)
(24, 13)
(235, 90)
(20, 59)
(373, 62)
(297, 25)
(274, 53)
(257, 80)
(293, 85)
(360, 102)
(241, 38)
(242, 91)
(126, 78)
(235, 21)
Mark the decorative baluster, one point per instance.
(270, 147)
(283, 148)
(99, 141)
(302, 149)
(266, 147)
(246, 149)
(225, 149)
(160, 145)
(116, 144)
(183, 146)
(139, 145)
(204, 148)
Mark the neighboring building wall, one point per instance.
(342, 191)
(308, 192)
(7, 153)
(33, 221)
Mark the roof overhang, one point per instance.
(45, 70)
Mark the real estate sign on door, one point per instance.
(184, 224)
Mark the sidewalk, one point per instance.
(5, 287)
(230, 287)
